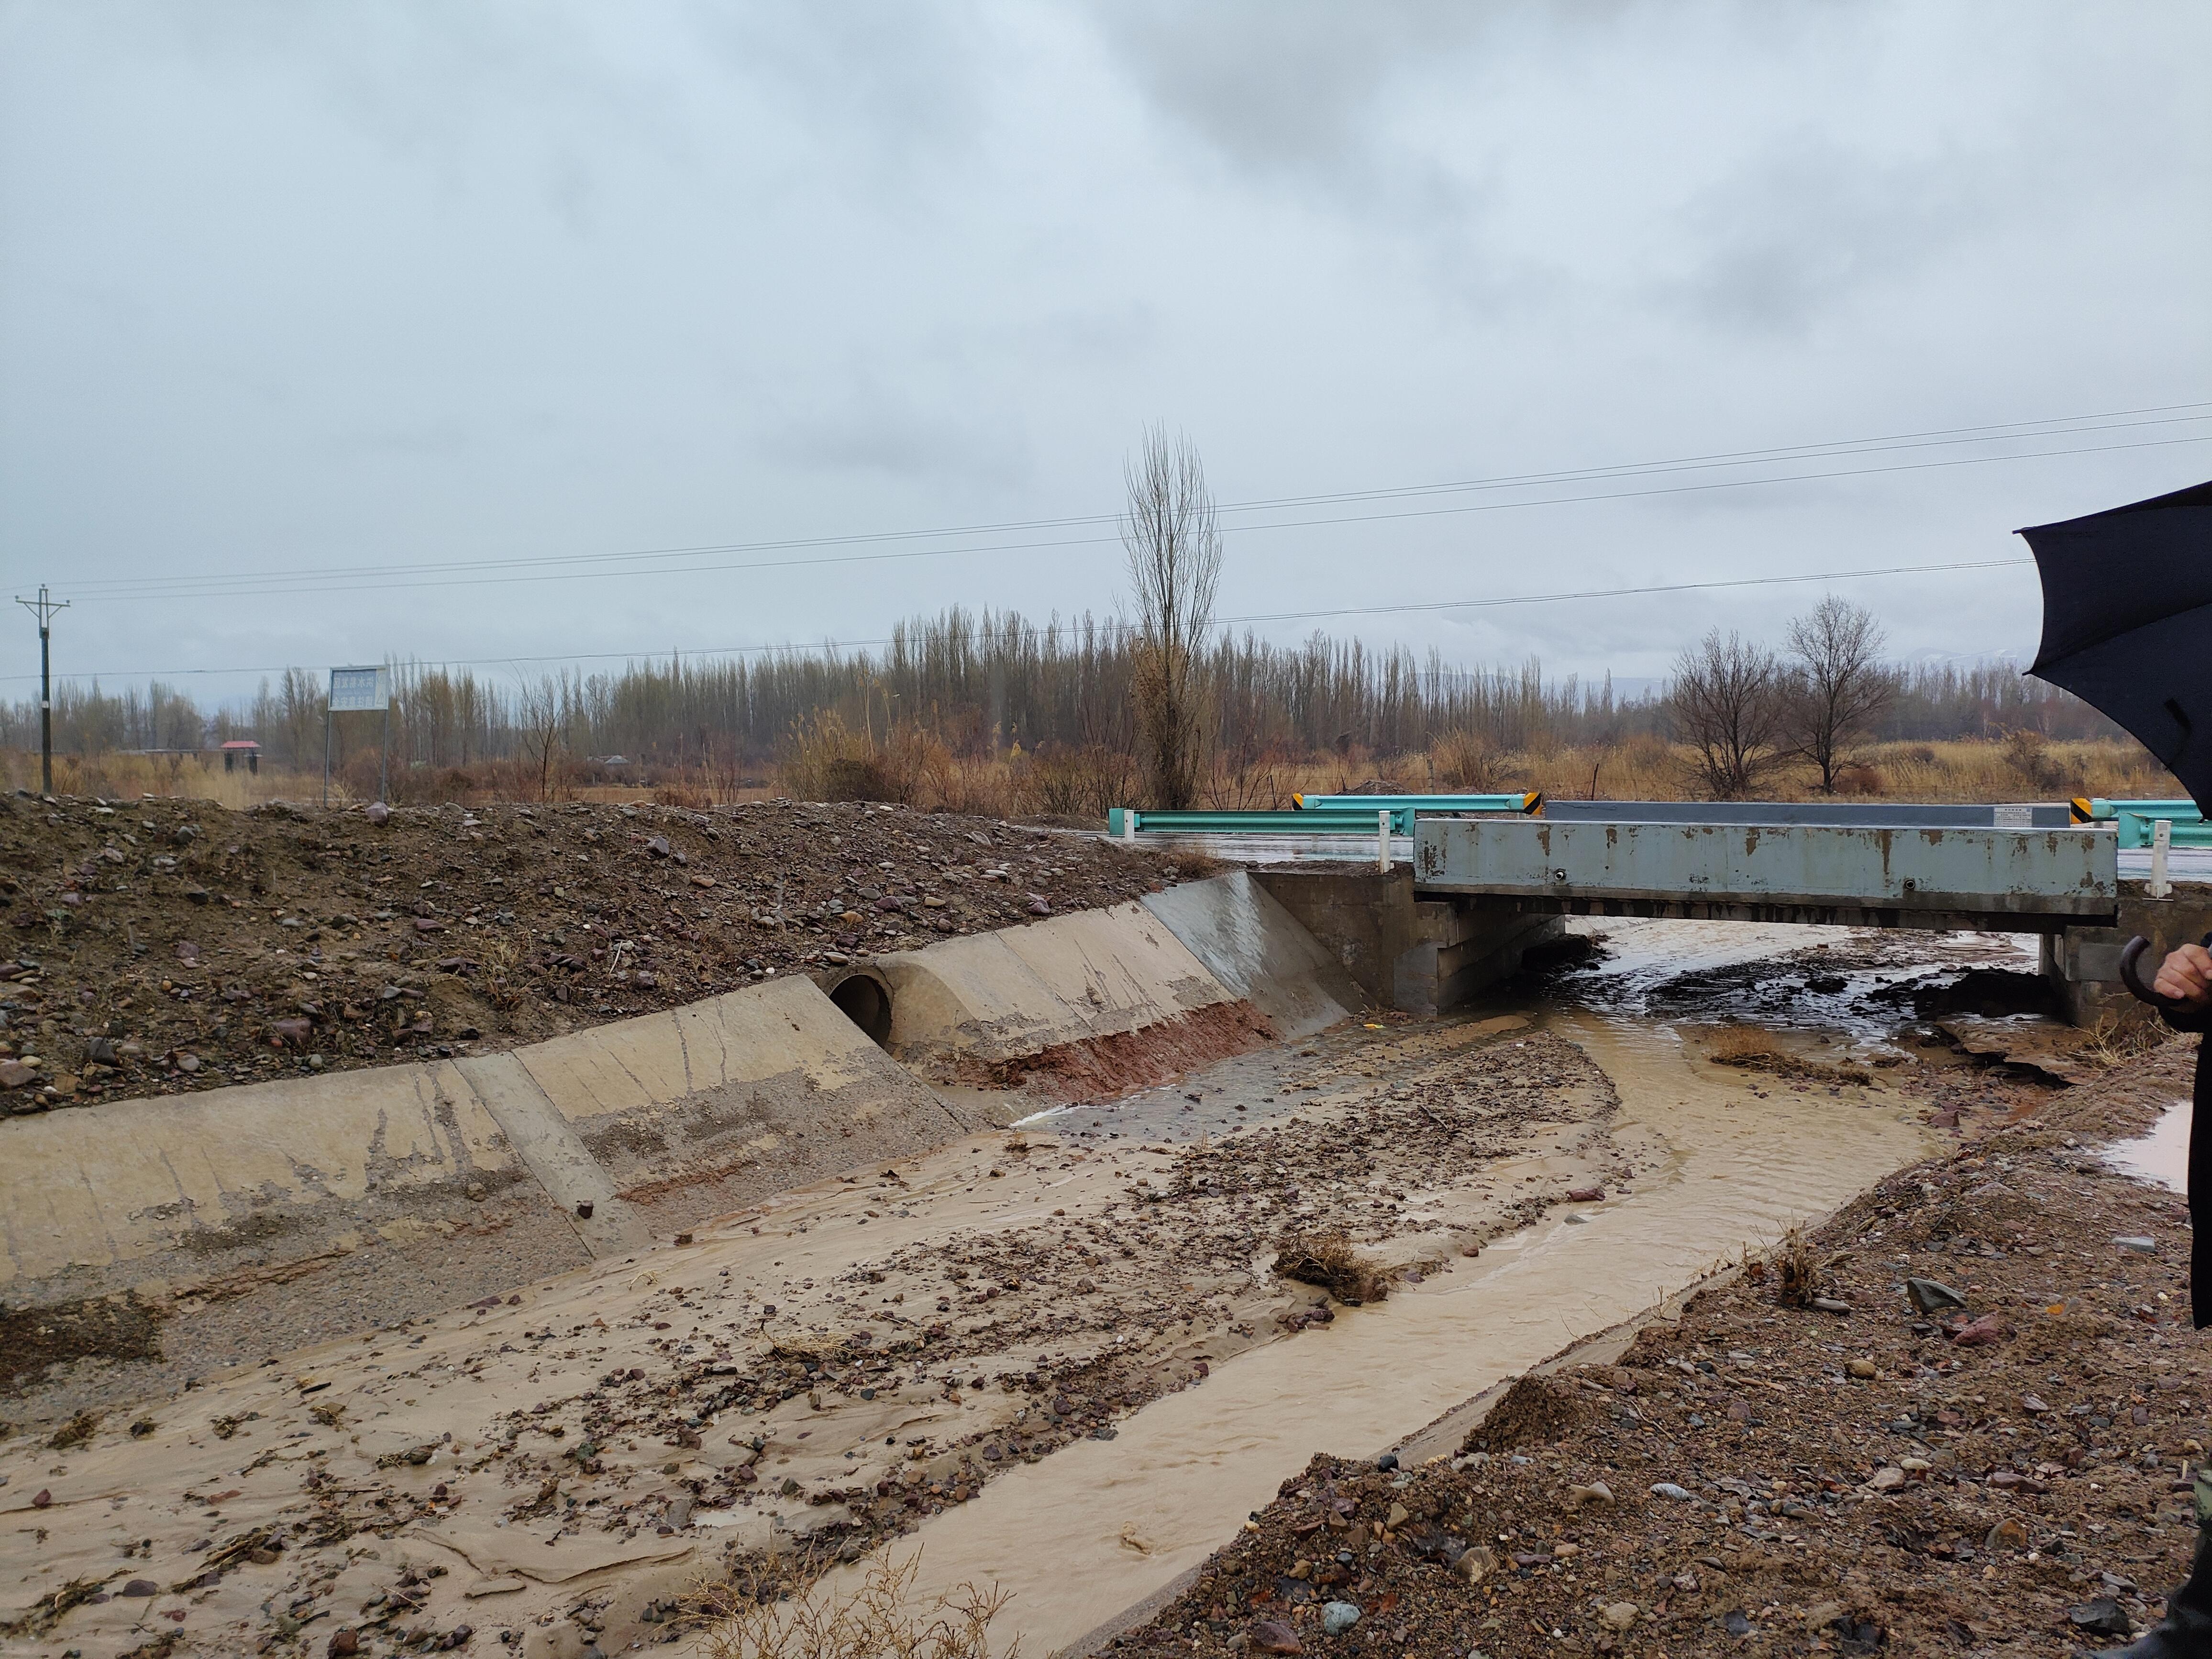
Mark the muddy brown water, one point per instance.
(1722, 1159)
(1100, 1527)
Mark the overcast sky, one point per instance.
(313, 288)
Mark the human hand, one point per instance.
(2186, 975)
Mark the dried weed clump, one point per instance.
(1751, 1049)
(2113, 1041)
(884, 1619)
(1796, 1270)
(1328, 1260)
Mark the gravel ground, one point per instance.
(1768, 1477)
(172, 944)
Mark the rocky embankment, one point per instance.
(174, 945)
(1960, 1416)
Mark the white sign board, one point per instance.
(353, 690)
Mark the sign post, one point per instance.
(359, 690)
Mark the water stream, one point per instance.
(1101, 1525)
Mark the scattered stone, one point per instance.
(1980, 1334)
(1585, 1195)
(1931, 1297)
(1597, 1492)
(377, 813)
(1828, 1304)
(1669, 1490)
(1888, 1478)
(1619, 1615)
(1863, 1369)
(140, 1587)
(2008, 1534)
(1272, 1636)
(495, 1587)
(2141, 1244)
(1337, 1617)
(1476, 1563)
(2102, 1617)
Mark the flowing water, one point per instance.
(1721, 1156)
(1101, 1526)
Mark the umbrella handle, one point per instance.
(2130, 954)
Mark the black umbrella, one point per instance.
(2127, 624)
(2127, 627)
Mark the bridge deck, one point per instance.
(2018, 880)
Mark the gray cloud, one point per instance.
(288, 288)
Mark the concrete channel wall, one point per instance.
(1102, 1000)
(324, 1204)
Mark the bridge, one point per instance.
(1452, 897)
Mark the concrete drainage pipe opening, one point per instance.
(867, 1001)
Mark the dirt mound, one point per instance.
(1987, 993)
(173, 944)
(1536, 1411)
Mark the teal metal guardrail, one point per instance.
(2137, 820)
(1365, 821)
(1517, 800)
(1323, 815)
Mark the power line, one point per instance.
(151, 589)
(1486, 603)
(446, 574)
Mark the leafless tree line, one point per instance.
(1743, 709)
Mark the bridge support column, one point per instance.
(2084, 962)
(1421, 955)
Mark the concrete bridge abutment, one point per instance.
(1421, 953)
(2083, 963)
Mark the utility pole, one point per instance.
(43, 608)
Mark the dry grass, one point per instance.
(127, 777)
(1796, 1272)
(829, 758)
(1746, 1046)
(2113, 1041)
(1329, 1261)
(75, 1433)
(1751, 1049)
(884, 1619)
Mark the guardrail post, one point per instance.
(2161, 841)
(1382, 841)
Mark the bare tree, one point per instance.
(1726, 700)
(1841, 685)
(541, 716)
(1175, 567)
